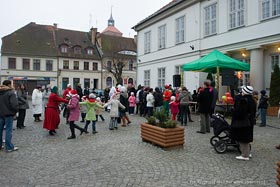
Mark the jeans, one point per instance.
(263, 116)
(184, 114)
(8, 121)
(93, 125)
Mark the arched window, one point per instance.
(130, 81)
(109, 82)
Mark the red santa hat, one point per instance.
(73, 92)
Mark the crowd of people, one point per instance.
(122, 102)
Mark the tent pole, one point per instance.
(218, 79)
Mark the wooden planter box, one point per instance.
(164, 137)
(272, 111)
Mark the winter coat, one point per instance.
(158, 99)
(8, 100)
(174, 107)
(115, 104)
(52, 119)
(132, 101)
(99, 111)
(244, 134)
(185, 97)
(91, 106)
(263, 103)
(204, 100)
(22, 99)
(150, 100)
(66, 92)
(37, 101)
(124, 101)
(167, 94)
(74, 108)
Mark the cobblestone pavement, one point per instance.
(120, 158)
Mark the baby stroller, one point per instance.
(221, 139)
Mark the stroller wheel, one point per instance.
(214, 140)
(220, 146)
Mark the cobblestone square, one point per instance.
(120, 158)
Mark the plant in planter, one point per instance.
(274, 95)
(162, 131)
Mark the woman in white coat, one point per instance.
(37, 103)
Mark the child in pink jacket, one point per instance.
(132, 103)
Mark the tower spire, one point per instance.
(111, 21)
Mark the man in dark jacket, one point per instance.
(8, 108)
(80, 91)
(263, 104)
(204, 100)
(158, 99)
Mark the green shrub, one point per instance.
(161, 119)
(274, 96)
(151, 120)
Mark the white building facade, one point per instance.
(186, 30)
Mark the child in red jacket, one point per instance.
(174, 107)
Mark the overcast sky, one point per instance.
(76, 15)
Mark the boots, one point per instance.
(123, 122)
(72, 129)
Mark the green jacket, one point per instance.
(91, 106)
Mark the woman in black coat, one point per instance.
(243, 121)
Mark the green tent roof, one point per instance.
(214, 60)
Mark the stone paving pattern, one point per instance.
(120, 158)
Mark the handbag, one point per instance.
(240, 123)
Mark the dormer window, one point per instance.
(77, 50)
(90, 51)
(64, 49)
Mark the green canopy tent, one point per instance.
(215, 62)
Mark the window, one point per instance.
(109, 81)
(130, 65)
(245, 76)
(180, 30)
(130, 81)
(76, 65)
(86, 65)
(178, 70)
(77, 50)
(236, 14)
(75, 82)
(65, 81)
(270, 8)
(94, 66)
(109, 64)
(90, 51)
(65, 64)
(274, 60)
(147, 78)
(26, 64)
(64, 49)
(12, 63)
(49, 65)
(210, 20)
(36, 64)
(87, 83)
(147, 42)
(161, 77)
(161, 37)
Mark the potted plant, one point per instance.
(274, 95)
(162, 131)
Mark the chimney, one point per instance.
(135, 39)
(99, 39)
(93, 35)
(55, 25)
